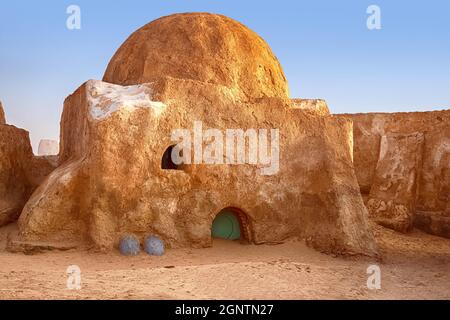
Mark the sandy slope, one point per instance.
(413, 266)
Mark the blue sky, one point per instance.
(324, 46)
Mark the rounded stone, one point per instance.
(154, 246)
(129, 245)
(206, 47)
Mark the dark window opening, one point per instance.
(167, 162)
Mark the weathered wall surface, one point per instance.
(15, 157)
(48, 148)
(433, 177)
(20, 171)
(110, 180)
(316, 106)
(392, 198)
(433, 222)
(2, 114)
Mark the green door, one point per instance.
(226, 226)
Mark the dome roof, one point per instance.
(200, 46)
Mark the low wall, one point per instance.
(433, 171)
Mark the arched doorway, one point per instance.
(231, 224)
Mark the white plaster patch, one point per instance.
(378, 124)
(351, 143)
(384, 145)
(104, 99)
(440, 152)
(269, 196)
(172, 206)
(48, 148)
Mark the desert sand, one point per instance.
(413, 266)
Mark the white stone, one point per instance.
(48, 148)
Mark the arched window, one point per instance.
(167, 162)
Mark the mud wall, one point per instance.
(433, 182)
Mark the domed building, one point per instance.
(203, 47)
(199, 79)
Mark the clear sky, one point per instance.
(325, 48)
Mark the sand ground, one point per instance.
(413, 266)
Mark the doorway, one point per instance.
(231, 224)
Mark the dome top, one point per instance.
(205, 47)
